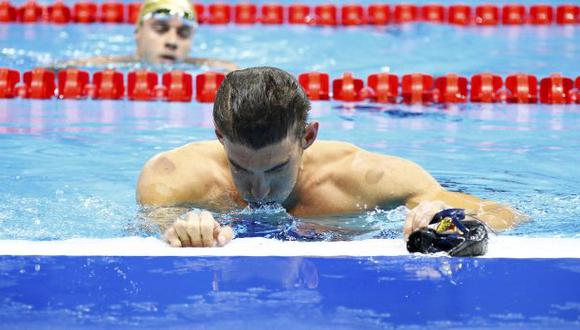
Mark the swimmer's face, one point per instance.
(269, 174)
(164, 41)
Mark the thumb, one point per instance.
(225, 235)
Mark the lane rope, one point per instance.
(379, 14)
(180, 86)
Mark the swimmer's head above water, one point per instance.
(164, 31)
(261, 117)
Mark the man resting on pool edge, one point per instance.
(266, 152)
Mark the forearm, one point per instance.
(496, 215)
(162, 216)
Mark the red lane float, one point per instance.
(451, 89)
(141, 85)
(219, 13)
(206, 86)
(38, 84)
(513, 14)
(133, 10)
(59, 13)
(383, 87)
(405, 13)
(246, 13)
(487, 15)
(8, 80)
(347, 88)
(108, 85)
(577, 92)
(178, 86)
(272, 14)
(556, 90)
(523, 88)
(85, 12)
(378, 14)
(315, 84)
(72, 84)
(112, 12)
(7, 12)
(459, 15)
(485, 87)
(567, 14)
(299, 14)
(352, 15)
(433, 13)
(541, 14)
(30, 12)
(417, 88)
(325, 15)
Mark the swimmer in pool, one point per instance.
(266, 152)
(163, 34)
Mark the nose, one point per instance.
(170, 46)
(260, 188)
(171, 40)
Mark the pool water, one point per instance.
(68, 170)
(70, 167)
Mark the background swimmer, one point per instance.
(163, 34)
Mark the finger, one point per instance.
(181, 230)
(171, 237)
(207, 227)
(225, 236)
(415, 220)
(408, 226)
(194, 231)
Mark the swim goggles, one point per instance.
(167, 14)
(449, 232)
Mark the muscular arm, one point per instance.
(404, 182)
(496, 215)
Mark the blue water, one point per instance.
(68, 169)
(288, 293)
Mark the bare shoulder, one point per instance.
(180, 175)
(329, 151)
(365, 173)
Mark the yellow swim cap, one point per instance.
(182, 8)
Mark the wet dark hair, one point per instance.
(260, 106)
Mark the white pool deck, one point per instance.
(499, 247)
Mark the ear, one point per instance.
(219, 136)
(310, 135)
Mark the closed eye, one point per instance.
(237, 167)
(278, 167)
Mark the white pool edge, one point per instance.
(499, 247)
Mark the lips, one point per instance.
(166, 57)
